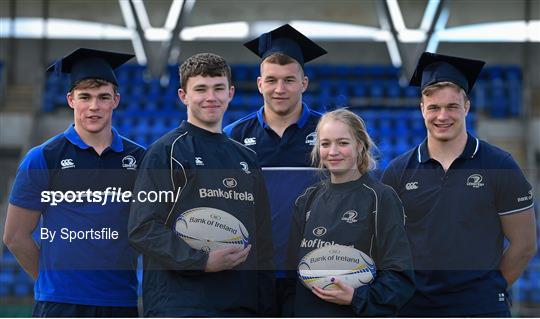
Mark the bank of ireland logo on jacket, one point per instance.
(319, 231)
(229, 182)
(529, 196)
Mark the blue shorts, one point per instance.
(57, 309)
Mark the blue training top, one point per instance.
(453, 225)
(89, 260)
(293, 149)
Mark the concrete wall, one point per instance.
(26, 59)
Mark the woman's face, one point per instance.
(338, 151)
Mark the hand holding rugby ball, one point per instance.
(208, 229)
(349, 265)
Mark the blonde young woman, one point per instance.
(355, 210)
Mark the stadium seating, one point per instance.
(13, 280)
(391, 111)
(498, 91)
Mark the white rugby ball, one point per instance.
(208, 229)
(348, 264)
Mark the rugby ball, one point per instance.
(348, 264)
(208, 229)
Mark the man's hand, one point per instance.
(341, 295)
(226, 258)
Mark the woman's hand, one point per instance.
(342, 294)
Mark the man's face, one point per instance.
(93, 107)
(282, 87)
(444, 113)
(206, 99)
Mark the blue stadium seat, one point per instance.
(385, 123)
(411, 92)
(159, 127)
(154, 90)
(376, 89)
(385, 146)
(401, 145)
(499, 103)
(340, 93)
(131, 105)
(471, 123)
(392, 72)
(151, 106)
(325, 71)
(138, 90)
(417, 140)
(416, 123)
(377, 72)
(325, 99)
(233, 115)
(311, 101)
(479, 99)
(253, 101)
(172, 122)
(499, 88)
(514, 87)
(369, 116)
(358, 71)
(358, 89)
(22, 289)
(534, 291)
(310, 72)
(238, 101)
(393, 89)
(401, 123)
(522, 291)
(7, 276)
(142, 129)
(240, 72)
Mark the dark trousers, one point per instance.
(57, 309)
(500, 314)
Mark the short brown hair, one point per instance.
(204, 64)
(281, 59)
(428, 90)
(91, 84)
(357, 127)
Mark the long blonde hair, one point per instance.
(357, 127)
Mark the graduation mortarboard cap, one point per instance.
(86, 63)
(434, 68)
(286, 40)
